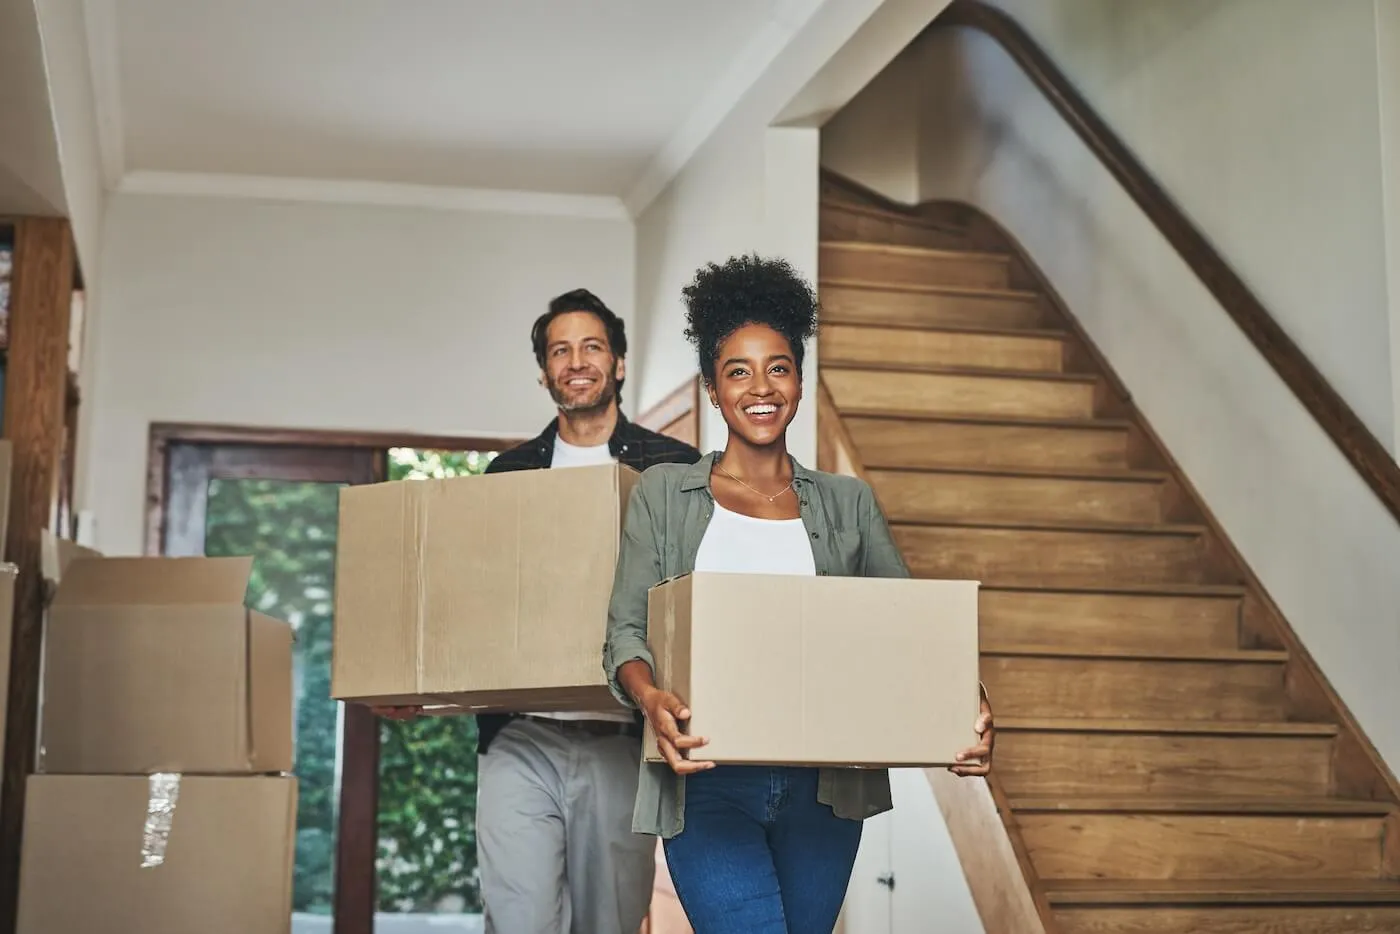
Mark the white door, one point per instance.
(929, 892)
(868, 902)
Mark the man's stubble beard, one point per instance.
(606, 394)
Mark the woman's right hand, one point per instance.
(398, 713)
(665, 712)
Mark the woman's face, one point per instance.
(756, 384)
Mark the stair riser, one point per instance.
(1107, 621)
(925, 309)
(914, 497)
(955, 394)
(966, 271)
(895, 443)
(1192, 846)
(1215, 919)
(1134, 688)
(1048, 558)
(1067, 764)
(845, 224)
(848, 344)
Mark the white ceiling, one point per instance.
(562, 96)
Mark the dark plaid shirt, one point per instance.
(631, 444)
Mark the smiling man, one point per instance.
(555, 791)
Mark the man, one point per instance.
(555, 791)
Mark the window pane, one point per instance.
(289, 527)
(427, 784)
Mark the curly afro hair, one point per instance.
(747, 290)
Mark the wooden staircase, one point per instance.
(1169, 759)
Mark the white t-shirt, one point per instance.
(738, 544)
(571, 455)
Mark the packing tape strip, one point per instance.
(160, 816)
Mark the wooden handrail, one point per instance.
(1367, 455)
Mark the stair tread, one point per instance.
(966, 291)
(1044, 376)
(1165, 529)
(875, 323)
(1220, 804)
(1257, 656)
(1123, 474)
(1177, 727)
(849, 412)
(913, 220)
(1207, 891)
(932, 252)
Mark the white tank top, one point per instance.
(739, 544)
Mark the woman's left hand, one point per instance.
(978, 759)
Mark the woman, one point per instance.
(755, 850)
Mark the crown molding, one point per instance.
(383, 194)
(104, 72)
(786, 21)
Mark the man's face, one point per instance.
(580, 369)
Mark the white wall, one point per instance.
(1260, 117)
(323, 316)
(64, 35)
(1388, 59)
(30, 180)
(753, 185)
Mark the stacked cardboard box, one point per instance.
(8, 574)
(164, 803)
(491, 594)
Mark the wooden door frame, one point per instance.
(358, 809)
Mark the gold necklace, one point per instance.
(770, 499)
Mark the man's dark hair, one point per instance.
(748, 290)
(581, 300)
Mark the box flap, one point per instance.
(55, 554)
(154, 582)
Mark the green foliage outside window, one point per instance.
(290, 530)
(427, 795)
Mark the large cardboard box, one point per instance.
(155, 665)
(8, 575)
(115, 854)
(490, 593)
(831, 671)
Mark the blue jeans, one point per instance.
(759, 854)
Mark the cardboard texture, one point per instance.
(831, 671)
(223, 865)
(154, 665)
(486, 592)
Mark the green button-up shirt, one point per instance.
(666, 518)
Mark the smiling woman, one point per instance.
(751, 849)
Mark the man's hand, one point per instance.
(978, 759)
(398, 713)
(665, 711)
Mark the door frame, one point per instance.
(357, 839)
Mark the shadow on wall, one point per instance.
(1102, 26)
